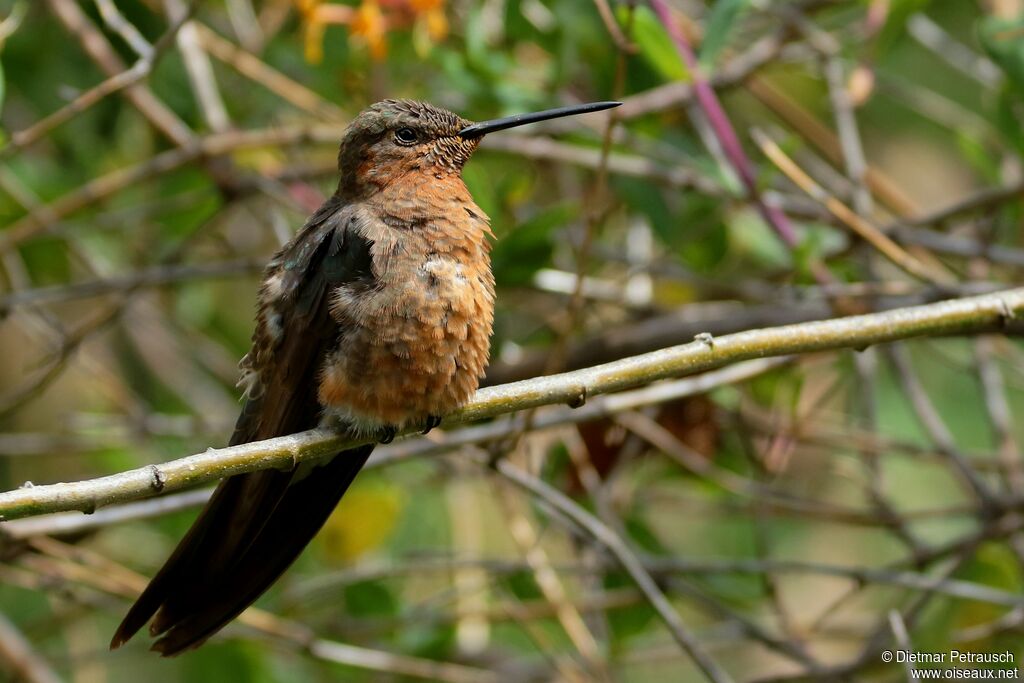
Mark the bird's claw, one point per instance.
(432, 422)
(387, 434)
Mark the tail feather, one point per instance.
(197, 552)
(256, 524)
(227, 560)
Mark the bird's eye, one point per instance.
(405, 136)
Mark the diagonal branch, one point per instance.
(969, 315)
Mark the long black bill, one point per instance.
(485, 127)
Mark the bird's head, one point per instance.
(394, 138)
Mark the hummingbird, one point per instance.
(375, 317)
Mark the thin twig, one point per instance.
(260, 72)
(728, 139)
(438, 443)
(625, 557)
(138, 72)
(19, 658)
(199, 68)
(114, 20)
(973, 314)
(100, 51)
(859, 225)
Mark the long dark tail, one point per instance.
(249, 533)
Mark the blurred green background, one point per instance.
(135, 230)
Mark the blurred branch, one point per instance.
(437, 443)
(565, 609)
(68, 343)
(547, 149)
(43, 218)
(982, 200)
(969, 315)
(260, 72)
(827, 142)
(151, 277)
(859, 225)
(98, 189)
(733, 73)
(953, 52)
(727, 138)
(116, 22)
(57, 562)
(123, 79)
(936, 429)
(622, 43)
(960, 246)
(1000, 416)
(19, 658)
(198, 67)
(100, 51)
(320, 587)
(626, 558)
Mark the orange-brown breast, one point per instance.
(415, 344)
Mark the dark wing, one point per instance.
(256, 524)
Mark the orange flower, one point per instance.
(424, 6)
(315, 16)
(370, 26)
(369, 23)
(436, 22)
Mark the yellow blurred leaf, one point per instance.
(364, 520)
(669, 293)
(266, 160)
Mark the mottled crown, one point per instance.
(395, 137)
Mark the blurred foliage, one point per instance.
(157, 381)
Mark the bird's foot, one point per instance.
(386, 434)
(432, 422)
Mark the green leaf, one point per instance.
(1002, 40)
(1009, 113)
(527, 247)
(655, 44)
(370, 599)
(629, 621)
(723, 17)
(648, 199)
(3, 86)
(522, 585)
(894, 31)
(641, 533)
(978, 156)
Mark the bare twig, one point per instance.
(123, 79)
(728, 139)
(974, 314)
(113, 18)
(859, 225)
(200, 71)
(18, 657)
(626, 558)
(101, 52)
(260, 72)
(601, 406)
(151, 277)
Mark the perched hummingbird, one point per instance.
(375, 317)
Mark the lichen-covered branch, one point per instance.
(986, 313)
